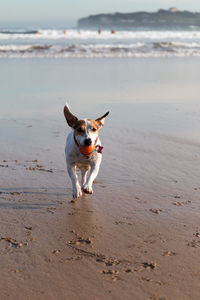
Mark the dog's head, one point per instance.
(86, 131)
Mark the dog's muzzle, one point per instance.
(88, 142)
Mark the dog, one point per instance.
(84, 134)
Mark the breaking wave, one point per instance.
(88, 43)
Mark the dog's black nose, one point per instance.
(88, 142)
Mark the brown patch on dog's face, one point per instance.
(94, 128)
(80, 127)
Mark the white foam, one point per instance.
(105, 35)
(90, 44)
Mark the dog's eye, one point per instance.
(94, 129)
(80, 129)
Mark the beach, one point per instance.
(138, 235)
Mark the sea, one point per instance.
(78, 43)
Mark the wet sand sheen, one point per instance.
(136, 237)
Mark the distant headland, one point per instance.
(171, 18)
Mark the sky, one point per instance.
(67, 12)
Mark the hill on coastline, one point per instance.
(161, 19)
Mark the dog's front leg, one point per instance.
(74, 178)
(84, 177)
(87, 188)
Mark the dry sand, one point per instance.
(137, 237)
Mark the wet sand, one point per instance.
(138, 236)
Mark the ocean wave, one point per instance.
(88, 43)
(42, 34)
(21, 31)
(161, 49)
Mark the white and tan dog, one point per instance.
(85, 133)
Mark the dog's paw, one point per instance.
(77, 193)
(87, 189)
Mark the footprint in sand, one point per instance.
(149, 266)
(182, 203)
(113, 274)
(80, 240)
(194, 244)
(11, 242)
(3, 166)
(169, 253)
(155, 211)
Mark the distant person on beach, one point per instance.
(113, 31)
(99, 31)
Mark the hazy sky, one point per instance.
(68, 11)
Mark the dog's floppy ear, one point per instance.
(100, 121)
(70, 118)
